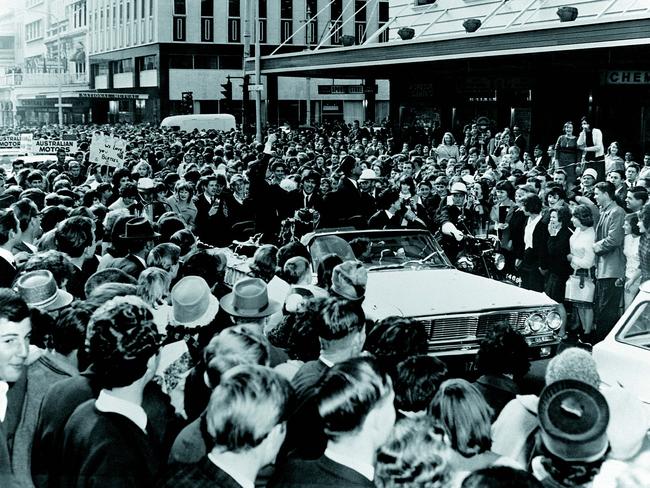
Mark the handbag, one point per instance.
(579, 289)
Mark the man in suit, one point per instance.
(213, 221)
(246, 421)
(15, 332)
(454, 220)
(75, 237)
(105, 441)
(355, 405)
(139, 237)
(394, 213)
(9, 234)
(345, 201)
(610, 261)
(617, 178)
(29, 221)
(307, 195)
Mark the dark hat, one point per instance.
(574, 417)
(139, 228)
(250, 299)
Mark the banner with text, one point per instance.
(52, 146)
(107, 150)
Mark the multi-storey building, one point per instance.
(49, 63)
(144, 54)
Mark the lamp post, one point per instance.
(258, 93)
(60, 77)
(308, 79)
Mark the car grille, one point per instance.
(466, 328)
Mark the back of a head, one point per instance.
(234, 346)
(54, 261)
(107, 275)
(394, 339)
(417, 381)
(291, 250)
(296, 270)
(573, 364)
(107, 291)
(348, 392)
(414, 456)
(121, 339)
(202, 264)
(74, 235)
(503, 351)
(340, 318)
(248, 403)
(500, 477)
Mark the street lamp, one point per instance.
(308, 79)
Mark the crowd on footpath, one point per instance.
(127, 359)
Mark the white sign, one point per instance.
(107, 150)
(255, 87)
(52, 146)
(10, 142)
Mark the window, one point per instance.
(336, 15)
(135, 9)
(150, 8)
(312, 28)
(234, 31)
(286, 19)
(143, 8)
(147, 63)
(122, 66)
(636, 332)
(34, 30)
(114, 15)
(261, 28)
(179, 7)
(383, 18)
(179, 28)
(207, 29)
(207, 8)
(230, 62)
(360, 21)
(205, 62)
(286, 9)
(128, 11)
(424, 2)
(233, 8)
(180, 62)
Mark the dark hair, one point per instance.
(500, 477)
(56, 262)
(107, 275)
(506, 186)
(394, 339)
(202, 264)
(119, 174)
(74, 235)
(348, 392)
(584, 215)
(130, 190)
(12, 307)
(52, 215)
(8, 223)
(340, 318)
(168, 224)
(644, 216)
(639, 193)
(291, 250)
(563, 215)
(325, 269)
(606, 187)
(387, 197)
(69, 332)
(408, 181)
(24, 210)
(532, 204)
(633, 220)
(557, 192)
(503, 351)
(417, 381)
(183, 239)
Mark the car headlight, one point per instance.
(464, 263)
(499, 261)
(554, 320)
(535, 322)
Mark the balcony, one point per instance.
(42, 79)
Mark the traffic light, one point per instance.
(226, 89)
(188, 102)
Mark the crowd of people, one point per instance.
(127, 358)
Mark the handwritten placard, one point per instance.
(107, 150)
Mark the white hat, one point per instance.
(458, 188)
(145, 184)
(468, 179)
(591, 172)
(368, 174)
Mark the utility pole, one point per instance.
(308, 79)
(247, 54)
(60, 77)
(258, 93)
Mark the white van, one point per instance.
(200, 121)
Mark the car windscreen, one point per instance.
(379, 249)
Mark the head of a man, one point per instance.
(342, 327)
(604, 193)
(15, 334)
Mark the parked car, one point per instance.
(623, 357)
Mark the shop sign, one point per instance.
(346, 89)
(114, 96)
(332, 107)
(627, 77)
(10, 142)
(107, 150)
(52, 146)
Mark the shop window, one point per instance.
(180, 62)
(230, 62)
(205, 62)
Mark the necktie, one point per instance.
(4, 387)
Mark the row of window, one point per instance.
(34, 30)
(122, 13)
(200, 61)
(143, 63)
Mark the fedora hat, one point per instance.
(38, 289)
(139, 228)
(249, 298)
(193, 304)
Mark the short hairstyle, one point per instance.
(107, 291)
(394, 339)
(8, 223)
(153, 285)
(532, 204)
(12, 307)
(162, 252)
(563, 215)
(341, 317)
(291, 250)
(74, 235)
(233, 346)
(633, 220)
(56, 262)
(107, 275)
(121, 339)
(556, 191)
(184, 185)
(185, 240)
(414, 456)
(462, 410)
(24, 210)
(244, 408)
(644, 217)
(203, 264)
(606, 187)
(584, 215)
(348, 392)
(503, 351)
(506, 186)
(639, 193)
(69, 332)
(417, 381)
(129, 190)
(168, 224)
(387, 197)
(500, 477)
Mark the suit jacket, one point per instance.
(204, 474)
(7, 273)
(610, 261)
(380, 220)
(213, 229)
(319, 473)
(343, 203)
(296, 201)
(537, 256)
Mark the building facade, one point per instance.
(145, 54)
